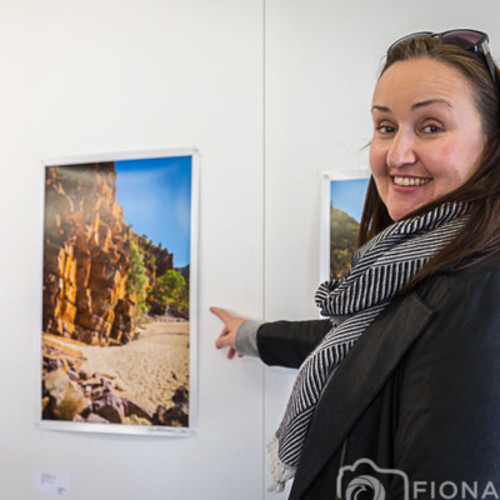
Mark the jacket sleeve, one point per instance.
(287, 343)
(448, 427)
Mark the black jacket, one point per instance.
(416, 402)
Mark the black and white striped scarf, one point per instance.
(380, 269)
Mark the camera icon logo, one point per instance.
(364, 479)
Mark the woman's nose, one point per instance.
(401, 150)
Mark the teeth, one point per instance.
(410, 181)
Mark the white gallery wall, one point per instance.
(80, 77)
(272, 93)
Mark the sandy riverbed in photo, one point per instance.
(150, 368)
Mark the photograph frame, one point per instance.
(346, 182)
(192, 336)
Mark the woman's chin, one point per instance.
(397, 213)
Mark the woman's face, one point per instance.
(428, 136)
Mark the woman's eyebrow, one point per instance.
(417, 105)
(383, 109)
(429, 102)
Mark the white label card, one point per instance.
(46, 482)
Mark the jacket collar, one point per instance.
(359, 378)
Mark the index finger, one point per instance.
(222, 314)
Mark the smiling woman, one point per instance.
(428, 136)
(449, 85)
(400, 383)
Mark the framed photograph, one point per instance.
(118, 293)
(342, 201)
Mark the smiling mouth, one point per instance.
(410, 181)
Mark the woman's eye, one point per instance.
(432, 129)
(385, 129)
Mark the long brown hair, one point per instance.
(481, 237)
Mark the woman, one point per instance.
(399, 391)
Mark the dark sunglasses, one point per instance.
(477, 41)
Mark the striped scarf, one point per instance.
(381, 268)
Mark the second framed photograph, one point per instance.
(342, 205)
(118, 293)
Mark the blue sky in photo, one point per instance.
(155, 195)
(349, 196)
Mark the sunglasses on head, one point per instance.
(473, 40)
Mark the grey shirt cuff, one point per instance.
(246, 338)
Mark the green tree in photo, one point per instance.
(343, 231)
(137, 278)
(172, 291)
